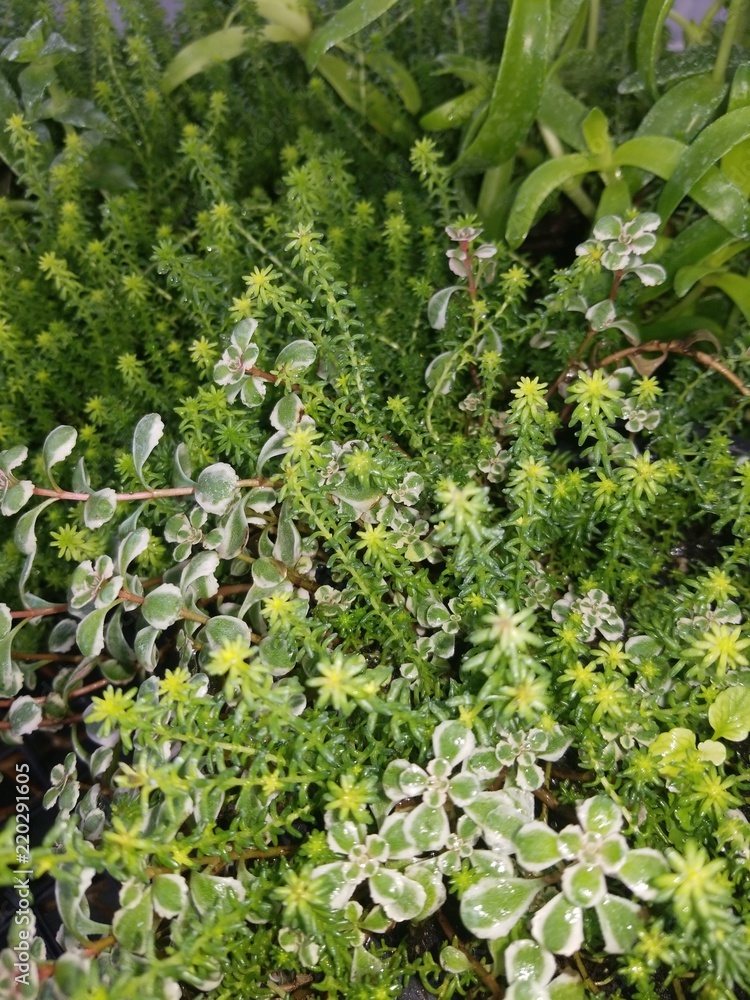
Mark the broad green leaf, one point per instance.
(736, 286)
(562, 17)
(456, 111)
(218, 47)
(735, 163)
(715, 141)
(170, 895)
(437, 308)
(370, 102)
(345, 22)
(525, 959)
(685, 109)
(453, 741)
(146, 436)
(538, 186)
(288, 22)
(24, 715)
(99, 508)
(558, 926)
(536, 846)
(639, 870)
(493, 907)
(216, 488)
(401, 898)
(162, 606)
(674, 744)
(426, 828)
(563, 114)
(650, 40)
(90, 632)
(58, 444)
(729, 714)
(620, 923)
(518, 88)
(399, 78)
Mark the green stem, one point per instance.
(728, 38)
(592, 34)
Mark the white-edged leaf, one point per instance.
(453, 741)
(58, 444)
(401, 898)
(90, 631)
(525, 959)
(437, 307)
(427, 828)
(493, 907)
(640, 868)
(99, 508)
(537, 846)
(162, 606)
(439, 374)
(146, 436)
(558, 926)
(297, 356)
(24, 715)
(620, 923)
(170, 895)
(216, 488)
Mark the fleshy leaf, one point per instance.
(99, 508)
(525, 959)
(437, 307)
(584, 885)
(216, 488)
(297, 356)
(401, 898)
(640, 868)
(170, 895)
(58, 444)
(729, 713)
(492, 907)
(453, 741)
(620, 922)
(146, 436)
(536, 847)
(162, 606)
(427, 828)
(24, 715)
(558, 926)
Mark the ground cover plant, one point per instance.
(375, 572)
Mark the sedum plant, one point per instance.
(395, 624)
